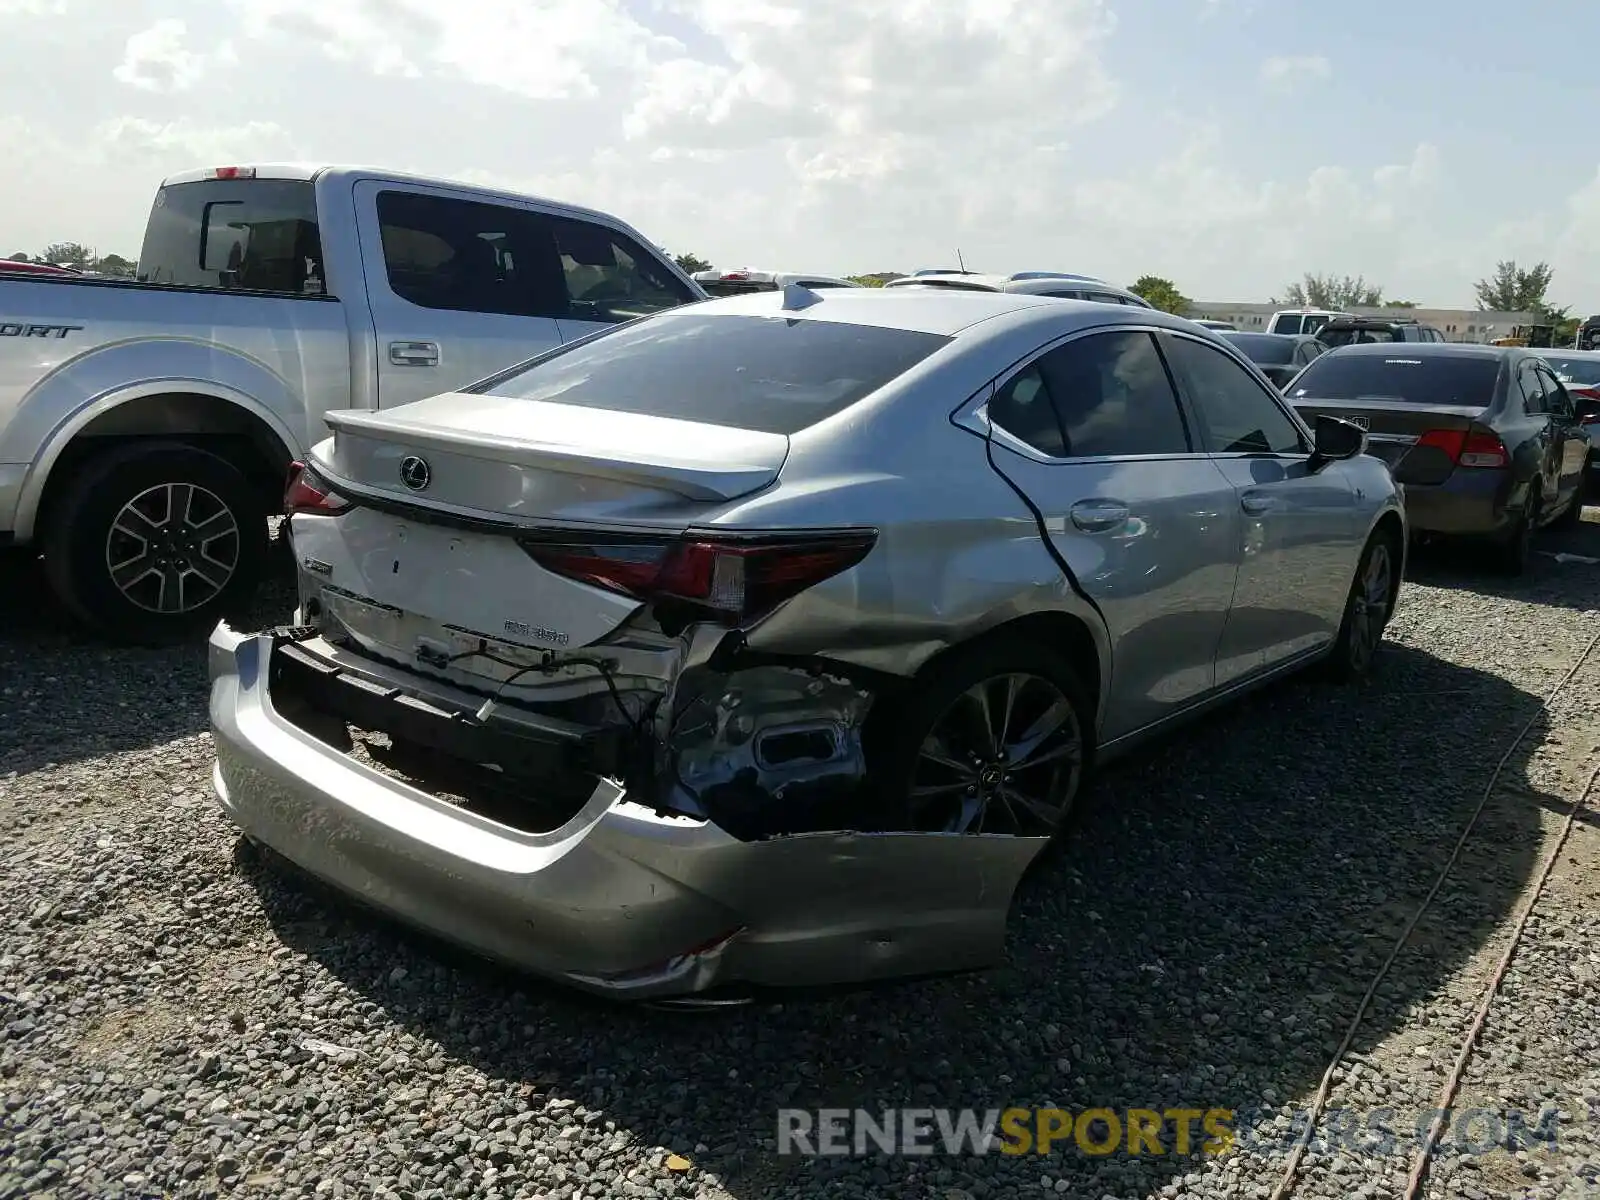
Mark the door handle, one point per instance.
(1098, 516)
(1256, 503)
(414, 354)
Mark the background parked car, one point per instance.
(1300, 320)
(1219, 326)
(1485, 439)
(745, 280)
(1588, 334)
(1351, 331)
(1579, 373)
(1030, 283)
(745, 502)
(1280, 356)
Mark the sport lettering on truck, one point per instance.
(11, 329)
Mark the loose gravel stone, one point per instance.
(178, 1018)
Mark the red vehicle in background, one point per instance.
(26, 268)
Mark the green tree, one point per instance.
(1325, 291)
(690, 263)
(20, 256)
(71, 254)
(1160, 293)
(867, 280)
(1399, 303)
(1511, 289)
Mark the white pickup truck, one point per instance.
(147, 427)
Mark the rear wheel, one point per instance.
(1513, 554)
(154, 540)
(993, 740)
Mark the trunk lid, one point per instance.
(419, 580)
(533, 460)
(1394, 428)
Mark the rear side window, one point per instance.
(255, 235)
(1444, 380)
(770, 374)
(1114, 397)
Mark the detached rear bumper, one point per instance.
(619, 899)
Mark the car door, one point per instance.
(458, 288)
(1301, 532)
(609, 278)
(1091, 431)
(1537, 447)
(1570, 438)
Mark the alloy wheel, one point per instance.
(1004, 757)
(173, 548)
(1369, 606)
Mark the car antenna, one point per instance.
(797, 296)
(961, 262)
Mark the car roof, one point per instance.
(948, 312)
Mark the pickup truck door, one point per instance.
(459, 287)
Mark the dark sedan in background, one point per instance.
(1279, 355)
(1485, 439)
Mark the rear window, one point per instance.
(1286, 324)
(256, 235)
(1262, 348)
(771, 374)
(1364, 336)
(1427, 380)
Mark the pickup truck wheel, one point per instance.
(154, 541)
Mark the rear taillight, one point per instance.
(308, 492)
(731, 579)
(1467, 448)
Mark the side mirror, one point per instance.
(1337, 439)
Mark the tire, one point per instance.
(1514, 553)
(140, 507)
(939, 717)
(1366, 610)
(1572, 515)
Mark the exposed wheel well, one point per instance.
(1389, 526)
(205, 422)
(1062, 630)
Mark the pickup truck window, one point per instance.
(256, 235)
(610, 277)
(467, 255)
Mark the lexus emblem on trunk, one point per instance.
(414, 472)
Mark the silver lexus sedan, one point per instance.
(767, 640)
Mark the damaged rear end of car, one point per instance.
(560, 688)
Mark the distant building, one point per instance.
(1457, 324)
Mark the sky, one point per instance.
(1228, 145)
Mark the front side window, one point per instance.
(610, 277)
(770, 374)
(1238, 415)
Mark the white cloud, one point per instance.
(186, 144)
(157, 60)
(1294, 70)
(32, 8)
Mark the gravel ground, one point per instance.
(177, 1019)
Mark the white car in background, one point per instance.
(1301, 320)
(1029, 283)
(745, 280)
